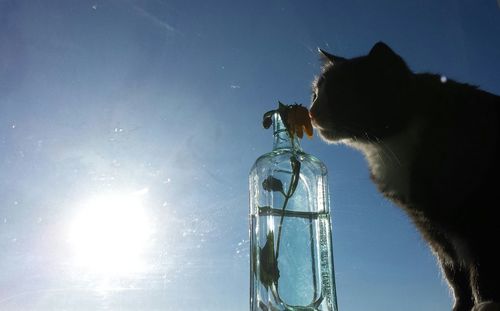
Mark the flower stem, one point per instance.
(288, 195)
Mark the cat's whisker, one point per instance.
(380, 156)
(389, 151)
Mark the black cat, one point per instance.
(432, 145)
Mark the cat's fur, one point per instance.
(432, 145)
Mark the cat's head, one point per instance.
(361, 98)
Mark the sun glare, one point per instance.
(109, 234)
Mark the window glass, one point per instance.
(128, 129)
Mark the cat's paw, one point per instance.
(487, 306)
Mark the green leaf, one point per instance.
(267, 119)
(269, 272)
(272, 184)
(267, 123)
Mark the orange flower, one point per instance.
(298, 121)
(296, 118)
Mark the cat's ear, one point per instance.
(382, 49)
(330, 57)
(383, 55)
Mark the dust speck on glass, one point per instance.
(290, 228)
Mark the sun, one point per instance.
(110, 234)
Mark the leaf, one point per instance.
(269, 272)
(267, 119)
(272, 184)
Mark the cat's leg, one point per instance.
(455, 274)
(459, 281)
(487, 306)
(485, 278)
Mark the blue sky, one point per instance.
(155, 107)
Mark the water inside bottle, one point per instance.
(304, 259)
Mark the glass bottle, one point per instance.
(291, 258)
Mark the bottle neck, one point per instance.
(282, 138)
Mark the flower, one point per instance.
(298, 121)
(296, 118)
